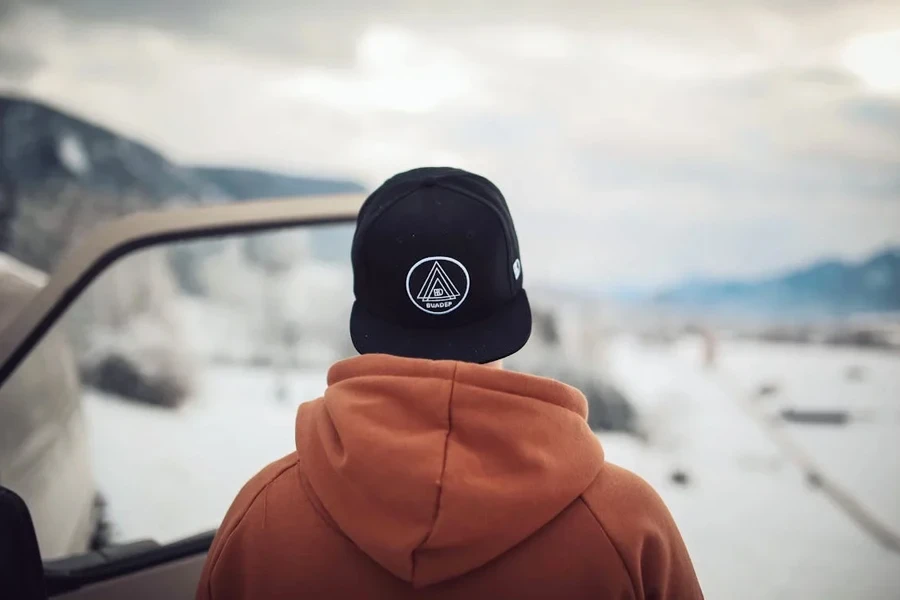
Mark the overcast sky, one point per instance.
(637, 142)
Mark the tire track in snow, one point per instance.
(846, 501)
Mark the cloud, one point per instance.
(17, 63)
(873, 58)
(633, 143)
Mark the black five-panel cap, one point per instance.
(436, 270)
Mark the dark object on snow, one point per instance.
(679, 477)
(117, 375)
(102, 535)
(545, 327)
(815, 417)
(767, 389)
(103, 528)
(813, 479)
(262, 361)
(855, 373)
(608, 409)
(759, 463)
(861, 338)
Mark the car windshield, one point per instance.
(707, 201)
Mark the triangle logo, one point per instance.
(437, 285)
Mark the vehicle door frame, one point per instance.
(130, 564)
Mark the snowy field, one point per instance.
(192, 461)
(754, 526)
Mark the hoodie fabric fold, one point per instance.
(418, 478)
(433, 470)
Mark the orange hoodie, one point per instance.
(441, 479)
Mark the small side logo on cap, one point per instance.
(517, 268)
(437, 284)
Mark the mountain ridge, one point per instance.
(61, 175)
(829, 286)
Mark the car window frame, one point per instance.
(107, 244)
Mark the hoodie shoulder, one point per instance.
(239, 509)
(645, 535)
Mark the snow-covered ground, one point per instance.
(755, 528)
(168, 474)
(863, 456)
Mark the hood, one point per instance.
(434, 468)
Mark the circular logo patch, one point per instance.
(437, 284)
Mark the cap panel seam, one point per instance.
(507, 230)
(366, 226)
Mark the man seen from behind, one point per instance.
(428, 471)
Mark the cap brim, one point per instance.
(502, 334)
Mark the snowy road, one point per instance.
(863, 457)
(755, 528)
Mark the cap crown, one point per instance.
(435, 248)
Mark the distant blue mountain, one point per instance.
(827, 287)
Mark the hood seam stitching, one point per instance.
(229, 535)
(618, 551)
(437, 507)
(316, 503)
